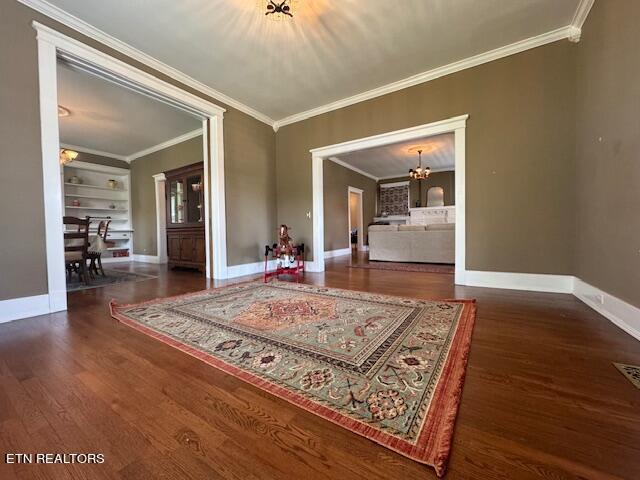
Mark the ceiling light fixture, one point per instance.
(277, 10)
(67, 156)
(63, 112)
(419, 173)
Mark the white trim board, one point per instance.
(619, 312)
(386, 177)
(570, 32)
(160, 180)
(337, 253)
(161, 146)
(455, 125)
(234, 271)
(78, 148)
(118, 259)
(395, 184)
(24, 307)
(147, 258)
(351, 167)
(532, 282)
(582, 12)
(90, 31)
(51, 45)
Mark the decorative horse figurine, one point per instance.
(287, 255)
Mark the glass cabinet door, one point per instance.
(194, 199)
(177, 201)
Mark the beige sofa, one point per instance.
(433, 243)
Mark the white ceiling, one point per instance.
(329, 51)
(108, 118)
(395, 160)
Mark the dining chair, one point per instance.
(98, 246)
(76, 246)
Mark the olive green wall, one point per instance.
(101, 160)
(143, 189)
(519, 154)
(249, 187)
(535, 161)
(446, 180)
(607, 249)
(22, 242)
(337, 179)
(249, 146)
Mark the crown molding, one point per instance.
(582, 12)
(496, 54)
(571, 32)
(386, 177)
(94, 33)
(351, 167)
(169, 143)
(81, 149)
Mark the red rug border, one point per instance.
(434, 443)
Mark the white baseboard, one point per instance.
(16, 308)
(619, 312)
(148, 259)
(312, 267)
(234, 271)
(337, 253)
(520, 281)
(117, 259)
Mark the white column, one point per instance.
(215, 212)
(161, 217)
(461, 233)
(318, 215)
(52, 187)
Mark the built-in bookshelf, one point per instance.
(87, 191)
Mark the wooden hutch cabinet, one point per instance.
(185, 217)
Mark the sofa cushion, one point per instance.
(383, 228)
(412, 228)
(441, 226)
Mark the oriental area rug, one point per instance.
(388, 368)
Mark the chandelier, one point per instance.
(419, 173)
(279, 9)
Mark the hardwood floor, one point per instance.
(541, 398)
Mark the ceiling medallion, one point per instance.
(279, 9)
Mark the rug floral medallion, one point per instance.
(388, 368)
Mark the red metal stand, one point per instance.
(296, 271)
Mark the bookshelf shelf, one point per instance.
(91, 188)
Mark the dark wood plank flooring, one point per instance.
(541, 398)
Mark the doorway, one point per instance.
(52, 46)
(455, 125)
(356, 229)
